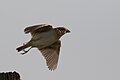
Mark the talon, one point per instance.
(24, 51)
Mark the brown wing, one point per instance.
(38, 28)
(51, 55)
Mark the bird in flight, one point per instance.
(46, 39)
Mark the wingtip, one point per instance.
(53, 67)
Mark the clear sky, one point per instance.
(90, 52)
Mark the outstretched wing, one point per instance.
(51, 55)
(38, 28)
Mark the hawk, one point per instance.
(46, 39)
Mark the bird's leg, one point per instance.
(24, 51)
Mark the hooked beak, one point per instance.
(67, 31)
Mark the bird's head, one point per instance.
(61, 31)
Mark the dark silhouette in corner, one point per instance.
(9, 76)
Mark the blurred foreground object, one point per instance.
(9, 76)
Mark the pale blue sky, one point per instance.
(90, 52)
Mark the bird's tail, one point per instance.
(22, 47)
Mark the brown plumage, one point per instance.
(46, 39)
